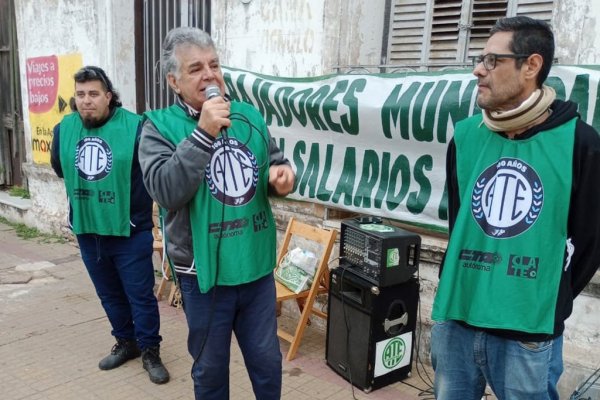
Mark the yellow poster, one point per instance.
(50, 87)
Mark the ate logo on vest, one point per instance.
(93, 158)
(232, 173)
(507, 198)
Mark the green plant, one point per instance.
(26, 232)
(17, 191)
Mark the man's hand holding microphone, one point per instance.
(215, 112)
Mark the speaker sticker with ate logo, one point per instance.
(392, 354)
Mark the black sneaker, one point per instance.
(153, 364)
(121, 352)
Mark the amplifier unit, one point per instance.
(370, 330)
(382, 254)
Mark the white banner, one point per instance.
(376, 144)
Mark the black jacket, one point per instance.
(584, 214)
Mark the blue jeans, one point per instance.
(248, 310)
(122, 272)
(464, 359)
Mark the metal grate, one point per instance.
(160, 16)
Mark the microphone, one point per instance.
(212, 91)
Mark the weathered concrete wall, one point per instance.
(576, 32)
(297, 38)
(270, 37)
(102, 32)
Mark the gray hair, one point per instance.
(179, 37)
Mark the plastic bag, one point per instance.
(297, 270)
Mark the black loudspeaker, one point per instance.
(370, 329)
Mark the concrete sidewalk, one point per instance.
(53, 332)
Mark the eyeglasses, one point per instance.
(89, 74)
(489, 59)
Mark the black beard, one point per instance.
(91, 123)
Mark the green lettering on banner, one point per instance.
(281, 145)
(323, 193)
(417, 200)
(300, 112)
(299, 150)
(345, 185)
(308, 175)
(400, 167)
(331, 104)
(269, 108)
(351, 124)
(281, 96)
(424, 132)
(256, 93)
(558, 85)
(238, 92)
(443, 207)
(384, 181)
(313, 105)
(368, 179)
(579, 93)
(454, 108)
(311, 174)
(396, 110)
(230, 87)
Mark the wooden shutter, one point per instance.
(438, 32)
(408, 31)
(445, 31)
(484, 15)
(536, 9)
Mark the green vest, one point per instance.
(96, 166)
(505, 256)
(233, 230)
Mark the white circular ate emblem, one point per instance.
(232, 173)
(93, 158)
(507, 198)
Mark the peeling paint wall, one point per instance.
(102, 32)
(270, 37)
(297, 38)
(576, 32)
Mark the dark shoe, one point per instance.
(153, 364)
(121, 352)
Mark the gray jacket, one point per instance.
(172, 175)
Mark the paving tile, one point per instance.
(54, 332)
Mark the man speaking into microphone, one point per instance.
(211, 164)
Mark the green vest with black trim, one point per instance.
(233, 229)
(505, 256)
(96, 165)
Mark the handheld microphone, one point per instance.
(212, 91)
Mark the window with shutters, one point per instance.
(433, 34)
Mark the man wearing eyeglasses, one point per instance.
(94, 150)
(524, 225)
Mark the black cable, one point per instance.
(226, 149)
(580, 391)
(251, 129)
(348, 330)
(429, 381)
